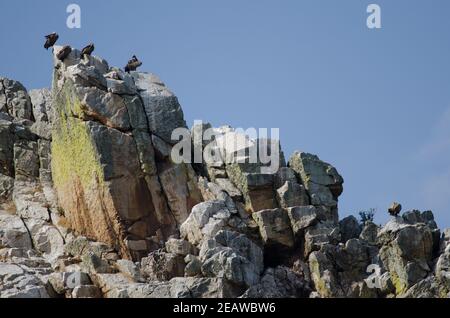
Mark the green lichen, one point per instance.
(73, 151)
(399, 285)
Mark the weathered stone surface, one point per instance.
(350, 228)
(324, 276)
(205, 220)
(162, 266)
(319, 235)
(279, 282)
(321, 180)
(406, 252)
(179, 247)
(292, 194)
(14, 99)
(129, 269)
(232, 256)
(13, 232)
(86, 291)
(275, 228)
(163, 110)
(30, 201)
(193, 266)
(302, 217)
(180, 186)
(369, 233)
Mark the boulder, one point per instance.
(14, 99)
(162, 266)
(321, 180)
(232, 256)
(292, 194)
(205, 220)
(349, 228)
(279, 282)
(406, 252)
(275, 227)
(13, 233)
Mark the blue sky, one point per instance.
(374, 103)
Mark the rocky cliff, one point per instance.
(93, 204)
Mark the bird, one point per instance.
(51, 40)
(395, 209)
(87, 50)
(132, 64)
(133, 59)
(63, 53)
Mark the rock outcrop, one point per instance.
(94, 204)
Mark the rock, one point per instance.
(41, 100)
(161, 106)
(324, 275)
(92, 263)
(279, 282)
(426, 288)
(292, 194)
(205, 220)
(443, 269)
(232, 256)
(163, 149)
(321, 180)
(406, 252)
(65, 282)
(15, 99)
(284, 175)
(6, 188)
(302, 217)
(369, 233)
(129, 269)
(47, 240)
(229, 188)
(86, 291)
(274, 227)
(257, 188)
(162, 266)
(193, 266)
(26, 160)
(179, 247)
(30, 201)
(349, 228)
(107, 108)
(13, 233)
(180, 187)
(319, 235)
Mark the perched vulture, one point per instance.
(65, 51)
(133, 64)
(51, 40)
(88, 50)
(395, 209)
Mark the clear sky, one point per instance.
(374, 103)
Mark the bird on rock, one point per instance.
(51, 40)
(63, 53)
(395, 209)
(132, 64)
(88, 50)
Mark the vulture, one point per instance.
(51, 40)
(132, 64)
(65, 51)
(395, 209)
(87, 50)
